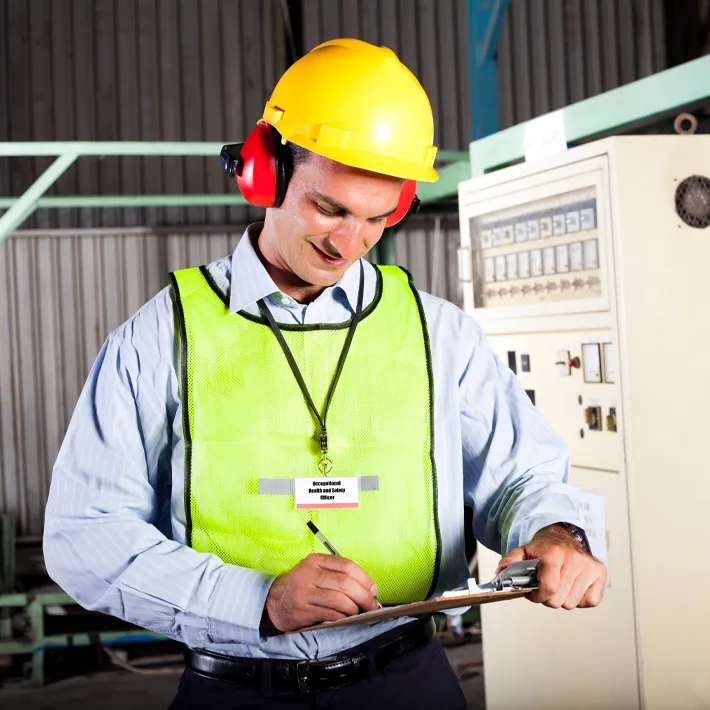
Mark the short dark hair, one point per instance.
(298, 156)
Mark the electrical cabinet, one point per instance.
(592, 269)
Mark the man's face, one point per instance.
(332, 215)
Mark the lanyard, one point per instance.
(325, 464)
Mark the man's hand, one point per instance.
(319, 588)
(568, 576)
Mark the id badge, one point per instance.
(318, 493)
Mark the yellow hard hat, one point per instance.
(358, 104)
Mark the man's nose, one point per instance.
(347, 239)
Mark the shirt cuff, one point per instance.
(237, 605)
(536, 523)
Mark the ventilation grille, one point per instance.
(692, 201)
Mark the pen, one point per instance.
(330, 548)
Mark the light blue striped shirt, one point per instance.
(115, 522)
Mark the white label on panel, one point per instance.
(548, 260)
(511, 265)
(486, 238)
(545, 136)
(533, 230)
(594, 513)
(609, 363)
(545, 227)
(497, 236)
(591, 254)
(572, 221)
(490, 270)
(521, 232)
(558, 225)
(523, 265)
(508, 236)
(536, 262)
(588, 218)
(592, 362)
(576, 257)
(562, 254)
(500, 268)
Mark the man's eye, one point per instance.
(328, 213)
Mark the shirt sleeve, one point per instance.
(516, 469)
(111, 488)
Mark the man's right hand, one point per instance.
(319, 588)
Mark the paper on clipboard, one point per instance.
(517, 580)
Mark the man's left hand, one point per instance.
(568, 576)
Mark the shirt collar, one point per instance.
(250, 281)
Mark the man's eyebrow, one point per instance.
(342, 208)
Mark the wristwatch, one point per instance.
(578, 534)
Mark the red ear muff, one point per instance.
(407, 201)
(261, 170)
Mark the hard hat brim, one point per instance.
(374, 162)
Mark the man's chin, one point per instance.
(324, 277)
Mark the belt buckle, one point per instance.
(301, 668)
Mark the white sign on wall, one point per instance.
(545, 136)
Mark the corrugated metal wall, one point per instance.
(62, 293)
(107, 70)
(556, 52)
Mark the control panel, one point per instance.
(547, 250)
(571, 378)
(587, 272)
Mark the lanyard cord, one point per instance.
(325, 465)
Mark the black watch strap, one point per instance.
(578, 534)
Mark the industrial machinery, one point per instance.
(589, 271)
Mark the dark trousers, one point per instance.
(423, 680)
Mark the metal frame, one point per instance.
(625, 109)
(36, 642)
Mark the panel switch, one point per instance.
(565, 363)
(512, 361)
(525, 362)
(593, 418)
(611, 419)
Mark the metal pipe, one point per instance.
(29, 148)
(25, 205)
(130, 201)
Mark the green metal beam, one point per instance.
(13, 600)
(131, 201)
(622, 109)
(25, 205)
(142, 148)
(31, 149)
(447, 184)
(452, 156)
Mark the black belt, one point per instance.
(333, 672)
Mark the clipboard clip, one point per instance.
(519, 575)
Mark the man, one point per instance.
(178, 501)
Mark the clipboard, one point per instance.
(514, 581)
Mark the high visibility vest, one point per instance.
(245, 418)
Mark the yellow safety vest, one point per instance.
(245, 418)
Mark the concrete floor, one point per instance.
(119, 690)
